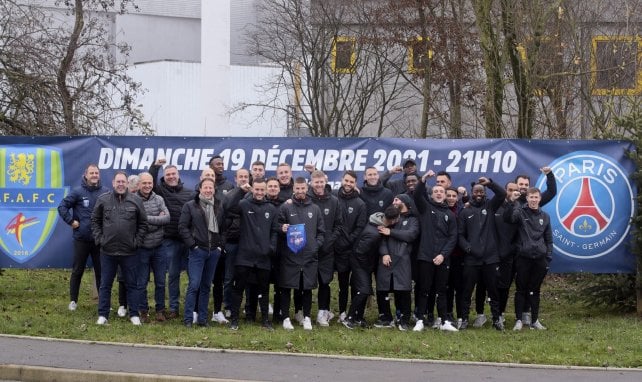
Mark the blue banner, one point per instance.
(590, 214)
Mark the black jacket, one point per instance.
(78, 206)
(306, 261)
(506, 234)
(258, 233)
(399, 246)
(438, 227)
(119, 223)
(535, 234)
(548, 194)
(377, 197)
(477, 232)
(355, 219)
(333, 223)
(175, 197)
(192, 225)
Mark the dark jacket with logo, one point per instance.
(438, 227)
(353, 210)
(175, 198)
(258, 233)
(399, 246)
(78, 206)
(333, 223)
(306, 261)
(506, 234)
(377, 197)
(535, 234)
(193, 229)
(477, 232)
(119, 223)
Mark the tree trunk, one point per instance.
(66, 98)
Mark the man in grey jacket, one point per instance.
(150, 254)
(119, 224)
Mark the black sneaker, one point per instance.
(403, 326)
(188, 324)
(498, 325)
(464, 325)
(348, 323)
(234, 324)
(203, 324)
(267, 325)
(383, 324)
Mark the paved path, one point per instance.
(38, 359)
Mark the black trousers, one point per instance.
(82, 251)
(402, 303)
(431, 276)
(306, 299)
(530, 275)
(259, 277)
(455, 290)
(487, 273)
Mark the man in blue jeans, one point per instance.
(150, 254)
(171, 189)
(119, 224)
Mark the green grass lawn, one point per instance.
(34, 302)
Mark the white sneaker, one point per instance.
(219, 317)
(419, 326)
(321, 318)
(518, 325)
(437, 323)
(287, 324)
(447, 326)
(102, 320)
(298, 316)
(73, 306)
(122, 312)
(135, 320)
(480, 320)
(342, 317)
(526, 318)
(270, 309)
(194, 317)
(307, 323)
(459, 321)
(538, 326)
(329, 315)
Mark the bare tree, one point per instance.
(334, 67)
(58, 77)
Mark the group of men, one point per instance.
(296, 233)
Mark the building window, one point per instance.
(616, 65)
(344, 54)
(418, 52)
(546, 68)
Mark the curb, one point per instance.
(41, 373)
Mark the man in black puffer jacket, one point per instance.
(119, 225)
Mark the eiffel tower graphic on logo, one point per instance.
(585, 206)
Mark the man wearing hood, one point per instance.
(398, 186)
(478, 239)
(394, 270)
(364, 262)
(353, 211)
(172, 190)
(299, 266)
(436, 242)
(75, 209)
(376, 196)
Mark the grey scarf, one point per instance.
(208, 206)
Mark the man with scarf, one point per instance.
(200, 227)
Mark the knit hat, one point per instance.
(406, 199)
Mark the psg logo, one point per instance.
(591, 213)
